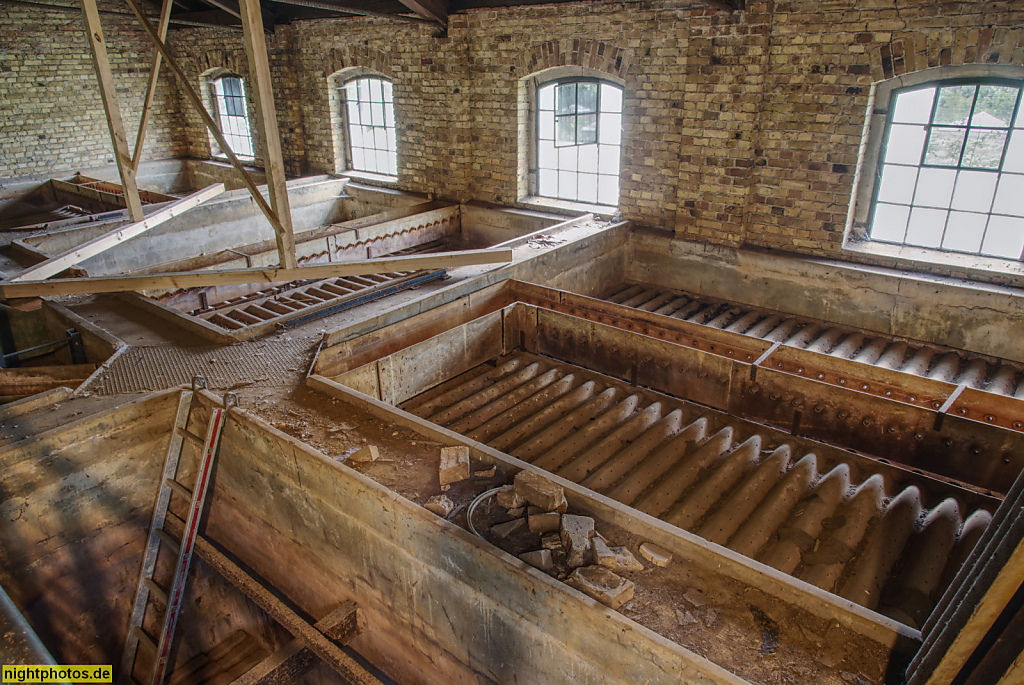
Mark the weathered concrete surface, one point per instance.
(988, 319)
(442, 605)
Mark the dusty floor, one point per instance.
(737, 627)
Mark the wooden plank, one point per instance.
(106, 241)
(108, 94)
(434, 10)
(266, 124)
(294, 660)
(154, 76)
(197, 279)
(197, 102)
(342, 663)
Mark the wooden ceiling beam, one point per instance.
(434, 10)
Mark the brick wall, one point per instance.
(51, 115)
(738, 127)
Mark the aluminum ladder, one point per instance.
(196, 501)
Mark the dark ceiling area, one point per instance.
(277, 12)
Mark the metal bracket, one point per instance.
(947, 405)
(199, 383)
(760, 360)
(230, 400)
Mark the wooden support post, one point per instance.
(266, 123)
(108, 93)
(106, 241)
(197, 102)
(294, 660)
(200, 279)
(154, 76)
(342, 663)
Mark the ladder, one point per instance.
(182, 549)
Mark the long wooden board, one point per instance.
(198, 279)
(106, 241)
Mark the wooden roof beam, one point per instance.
(433, 10)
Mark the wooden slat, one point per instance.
(294, 660)
(154, 77)
(198, 279)
(108, 94)
(266, 124)
(106, 241)
(342, 663)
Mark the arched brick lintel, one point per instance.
(590, 54)
(911, 53)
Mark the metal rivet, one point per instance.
(936, 404)
(867, 421)
(842, 381)
(818, 409)
(947, 443)
(918, 436)
(773, 396)
(989, 417)
(891, 429)
(863, 387)
(888, 393)
(842, 414)
(799, 369)
(962, 410)
(821, 375)
(1017, 424)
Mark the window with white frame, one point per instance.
(233, 115)
(950, 171)
(579, 139)
(372, 137)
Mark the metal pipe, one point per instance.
(315, 4)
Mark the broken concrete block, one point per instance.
(603, 585)
(454, 464)
(551, 541)
(440, 505)
(543, 521)
(576, 532)
(654, 554)
(615, 558)
(365, 454)
(540, 559)
(541, 492)
(503, 530)
(516, 513)
(510, 499)
(485, 473)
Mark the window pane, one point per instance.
(392, 163)
(547, 157)
(547, 126)
(1004, 237)
(364, 89)
(611, 99)
(392, 140)
(352, 91)
(890, 223)
(954, 104)
(568, 158)
(547, 183)
(546, 97)
(974, 191)
(935, 187)
(358, 161)
(926, 226)
(586, 97)
(609, 160)
(376, 92)
(1015, 150)
(944, 146)
(566, 129)
(382, 162)
(608, 190)
(995, 106)
(611, 129)
(389, 115)
(353, 112)
(964, 231)
(897, 184)
(984, 148)
(905, 143)
(566, 99)
(388, 91)
(588, 159)
(365, 117)
(588, 187)
(1010, 195)
(377, 112)
(567, 185)
(914, 107)
(586, 129)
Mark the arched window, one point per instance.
(369, 113)
(578, 133)
(233, 115)
(949, 171)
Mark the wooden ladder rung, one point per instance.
(144, 638)
(156, 590)
(165, 538)
(179, 488)
(190, 436)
